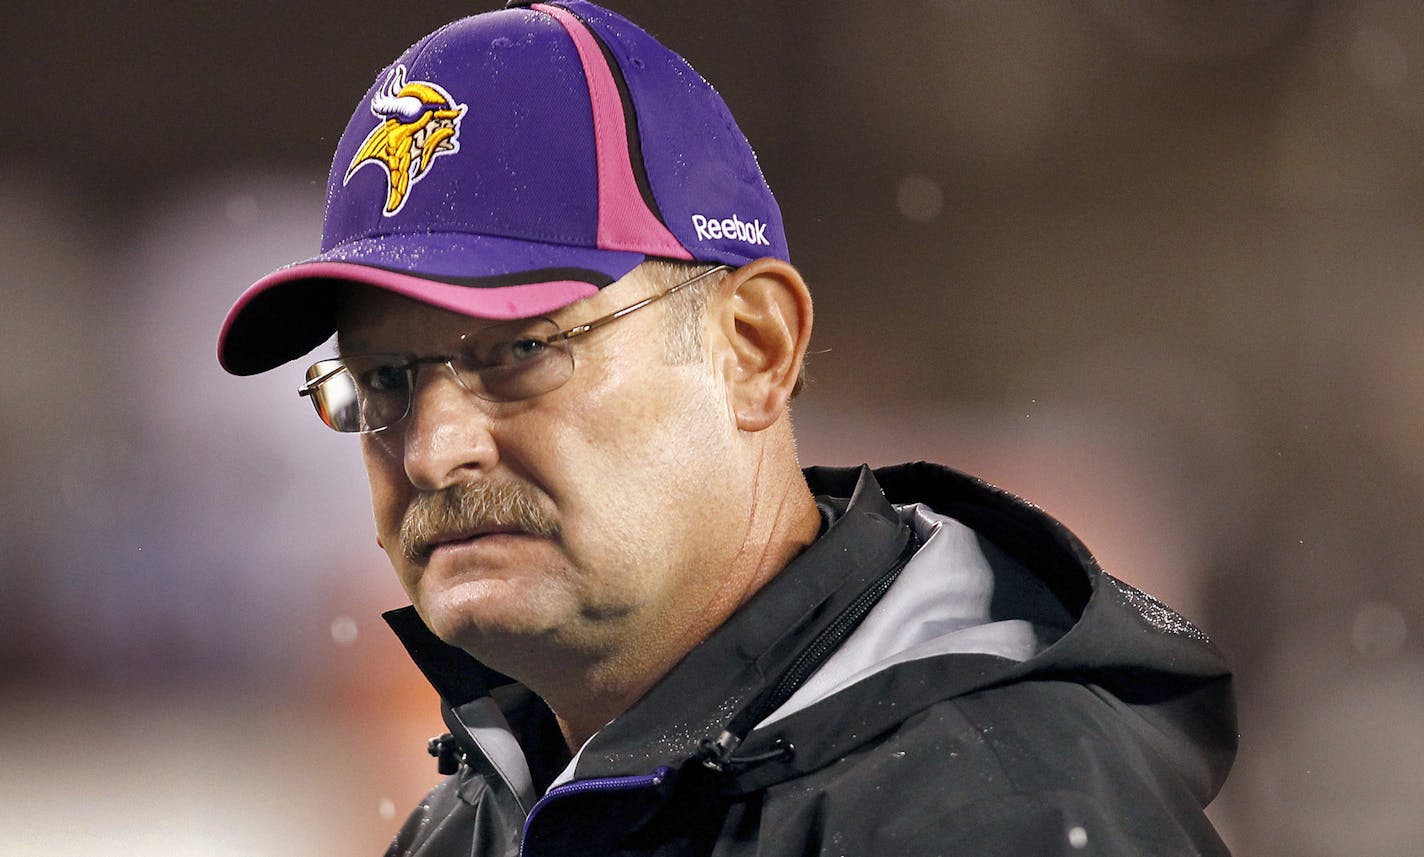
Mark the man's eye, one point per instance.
(384, 379)
(519, 351)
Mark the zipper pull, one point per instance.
(446, 752)
(717, 755)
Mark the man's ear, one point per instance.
(763, 313)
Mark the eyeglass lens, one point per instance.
(500, 363)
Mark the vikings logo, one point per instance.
(422, 122)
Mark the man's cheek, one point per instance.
(390, 489)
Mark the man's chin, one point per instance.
(485, 615)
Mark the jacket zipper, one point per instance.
(598, 784)
(717, 754)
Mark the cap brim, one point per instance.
(289, 312)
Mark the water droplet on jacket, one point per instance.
(1078, 838)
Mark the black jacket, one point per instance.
(1108, 738)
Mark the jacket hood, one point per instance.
(1159, 672)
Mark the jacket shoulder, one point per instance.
(1034, 768)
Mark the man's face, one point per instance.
(624, 469)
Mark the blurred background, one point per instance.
(1154, 264)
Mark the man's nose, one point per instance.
(448, 435)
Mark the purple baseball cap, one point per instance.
(509, 164)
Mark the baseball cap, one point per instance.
(512, 163)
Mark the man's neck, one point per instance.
(585, 700)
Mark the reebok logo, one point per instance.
(732, 227)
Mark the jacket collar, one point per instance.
(754, 647)
(705, 690)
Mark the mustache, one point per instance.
(472, 507)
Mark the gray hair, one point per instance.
(684, 312)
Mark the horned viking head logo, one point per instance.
(421, 122)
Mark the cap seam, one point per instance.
(632, 128)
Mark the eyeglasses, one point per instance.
(500, 363)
